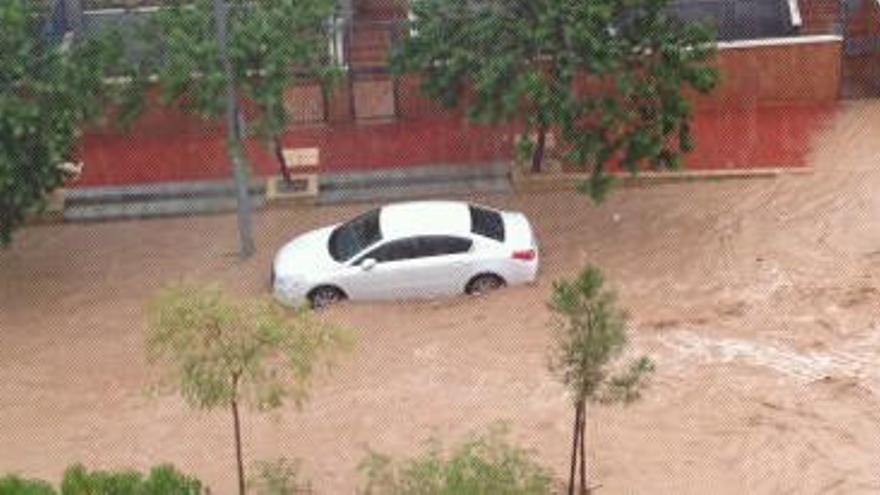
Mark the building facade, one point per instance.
(784, 66)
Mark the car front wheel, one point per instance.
(325, 296)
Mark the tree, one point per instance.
(217, 352)
(215, 59)
(591, 335)
(48, 93)
(607, 76)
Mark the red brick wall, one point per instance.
(819, 16)
(793, 74)
(771, 101)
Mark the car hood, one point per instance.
(306, 255)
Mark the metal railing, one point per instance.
(733, 19)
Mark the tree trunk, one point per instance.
(238, 456)
(279, 156)
(576, 431)
(584, 489)
(243, 200)
(233, 130)
(538, 155)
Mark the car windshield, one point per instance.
(354, 236)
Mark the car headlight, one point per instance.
(287, 284)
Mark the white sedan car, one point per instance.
(408, 250)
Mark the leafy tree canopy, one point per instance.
(606, 75)
(48, 93)
(273, 45)
(215, 350)
(591, 335)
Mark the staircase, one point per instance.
(155, 200)
(414, 183)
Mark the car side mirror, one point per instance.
(368, 264)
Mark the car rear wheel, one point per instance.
(325, 296)
(482, 284)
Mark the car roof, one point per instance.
(425, 218)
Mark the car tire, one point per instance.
(324, 296)
(484, 283)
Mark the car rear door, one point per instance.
(444, 265)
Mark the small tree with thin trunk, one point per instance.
(591, 335)
(217, 352)
(234, 61)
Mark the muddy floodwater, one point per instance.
(759, 300)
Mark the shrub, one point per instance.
(487, 464)
(13, 485)
(278, 477)
(162, 480)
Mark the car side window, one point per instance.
(399, 250)
(443, 245)
(418, 247)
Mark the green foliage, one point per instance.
(278, 477)
(162, 480)
(14, 485)
(486, 465)
(591, 334)
(48, 93)
(273, 45)
(79, 481)
(607, 76)
(218, 352)
(213, 349)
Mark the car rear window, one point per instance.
(487, 223)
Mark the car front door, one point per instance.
(382, 273)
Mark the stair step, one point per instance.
(391, 193)
(157, 191)
(153, 209)
(155, 200)
(429, 181)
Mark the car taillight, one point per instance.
(525, 255)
